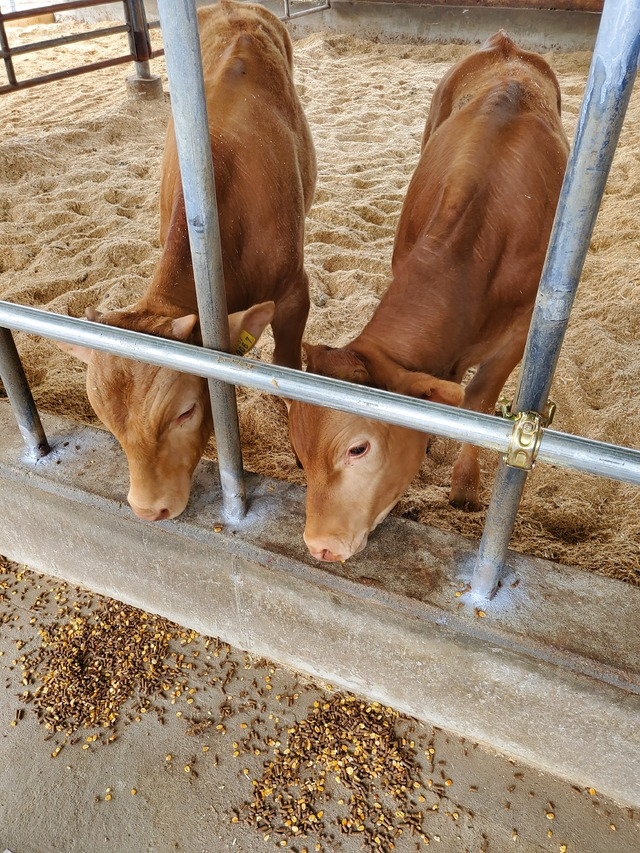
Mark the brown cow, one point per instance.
(466, 263)
(265, 173)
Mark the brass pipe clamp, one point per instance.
(524, 443)
(526, 435)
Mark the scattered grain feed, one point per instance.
(247, 744)
(347, 767)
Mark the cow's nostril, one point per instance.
(150, 514)
(320, 555)
(327, 556)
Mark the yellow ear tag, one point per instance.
(245, 343)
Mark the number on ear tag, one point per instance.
(245, 343)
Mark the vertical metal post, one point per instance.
(8, 62)
(19, 393)
(611, 75)
(139, 42)
(184, 66)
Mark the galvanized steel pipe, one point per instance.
(184, 67)
(581, 454)
(138, 37)
(613, 70)
(19, 393)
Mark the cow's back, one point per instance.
(499, 61)
(478, 212)
(263, 153)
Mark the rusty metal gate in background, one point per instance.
(136, 27)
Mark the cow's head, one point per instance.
(161, 418)
(356, 468)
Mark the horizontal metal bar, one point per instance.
(69, 72)
(561, 449)
(289, 16)
(70, 39)
(380, 405)
(57, 7)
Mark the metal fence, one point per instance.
(136, 27)
(613, 69)
(289, 15)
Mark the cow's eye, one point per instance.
(186, 415)
(359, 449)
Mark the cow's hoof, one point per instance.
(468, 503)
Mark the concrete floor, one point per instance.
(61, 804)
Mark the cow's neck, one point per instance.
(171, 292)
(414, 330)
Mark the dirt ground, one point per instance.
(79, 178)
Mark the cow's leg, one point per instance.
(481, 395)
(289, 321)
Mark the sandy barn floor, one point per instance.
(79, 176)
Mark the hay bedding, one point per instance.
(79, 176)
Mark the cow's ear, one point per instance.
(314, 353)
(427, 387)
(93, 315)
(182, 327)
(82, 353)
(336, 363)
(77, 351)
(245, 327)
